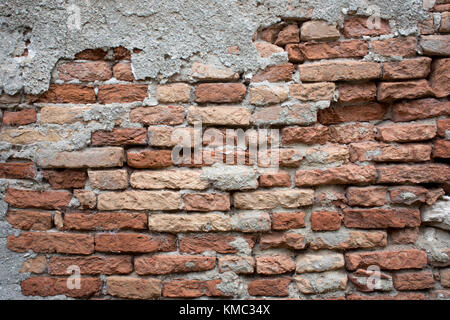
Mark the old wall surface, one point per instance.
(94, 95)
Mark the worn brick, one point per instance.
(139, 200)
(325, 220)
(377, 218)
(166, 264)
(134, 243)
(436, 45)
(264, 95)
(236, 264)
(92, 265)
(306, 135)
(277, 73)
(122, 71)
(331, 50)
(87, 199)
(168, 115)
(62, 115)
(108, 179)
(220, 115)
(413, 281)
(288, 240)
(440, 78)
(289, 34)
(407, 69)
(373, 196)
(120, 137)
(220, 243)
(206, 202)
(122, 93)
(300, 114)
(406, 132)
(220, 92)
(275, 287)
(133, 288)
(288, 220)
(347, 174)
(387, 260)
(88, 71)
(48, 286)
(349, 133)
(441, 149)
(91, 54)
(170, 179)
(390, 91)
(339, 114)
(348, 239)
(19, 118)
(189, 222)
(382, 152)
(105, 221)
(417, 173)
(65, 179)
(420, 109)
(404, 236)
(267, 49)
(339, 71)
(318, 30)
(68, 93)
(17, 170)
(207, 72)
(150, 159)
(21, 135)
(276, 264)
(193, 288)
(357, 27)
(395, 47)
(174, 92)
(275, 179)
(443, 128)
(319, 262)
(38, 199)
(359, 92)
(270, 199)
(29, 220)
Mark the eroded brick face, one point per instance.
(364, 139)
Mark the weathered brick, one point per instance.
(122, 93)
(121, 53)
(398, 296)
(270, 33)
(38, 199)
(175, 223)
(347, 174)
(19, 118)
(339, 114)
(300, 114)
(168, 115)
(47, 286)
(105, 221)
(17, 170)
(445, 21)
(294, 53)
(312, 91)
(169, 137)
(267, 49)
(373, 196)
(29, 220)
(277, 73)
(396, 47)
(348, 239)
(288, 220)
(319, 262)
(236, 264)
(52, 242)
(270, 199)
(441, 149)
(133, 288)
(325, 220)
(91, 54)
(349, 133)
(62, 115)
(376, 218)
(220, 115)
(390, 91)
(199, 243)
(420, 109)
(277, 264)
(207, 72)
(418, 173)
(413, 281)
(289, 34)
(139, 200)
(443, 128)
(331, 50)
(34, 265)
(445, 277)
(68, 93)
(92, 265)
(122, 71)
(65, 179)
(440, 78)
(263, 95)
(382, 152)
(21, 135)
(275, 287)
(120, 137)
(275, 179)
(89, 71)
(87, 199)
(170, 179)
(88, 158)
(174, 92)
(408, 195)
(404, 236)
(359, 92)
(356, 27)
(364, 280)
(166, 264)
(288, 240)
(406, 132)
(134, 243)
(306, 135)
(220, 92)
(206, 202)
(339, 71)
(193, 288)
(251, 222)
(387, 260)
(318, 30)
(108, 179)
(150, 159)
(407, 69)
(436, 45)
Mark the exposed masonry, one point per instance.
(88, 180)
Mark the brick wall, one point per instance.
(364, 147)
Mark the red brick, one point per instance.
(349, 133)
(413, 281)
(52, 242)
(277, 264)
(387, 260)
(124, 93)
(133, 287)
(357, 27)
(347, 174)
(332, 50)
(91, 265)
(275, 179)
(277, 73)
(120, 137)
(390, 91)
(91, 54)
(29, 220)
(37, 199)
(339, 71)
(288, 220)
(373, 196)
(65, 179)
(291, 241)
(383, 152)
(306, 135)
(418, 173)
(270, 33)
(150, 159)
(122, 71)
(19, 118)
(47, 286)
(443, 128)
(408, 195)
(404, 236)
(294, 53)
(441, 149)
(68, 93)
(289, 34)
(420, 109)
(440, 77)
(359, 92)
(105, 221)
(396, 47)
(199, 243)
(407, 69)
(17, 170)
(166, 264)
(398, 296)
(277, 287)
(220, 92)
(206, 202)
(192, 288)
(376, 218)
(406, 132)
(122, 53)
(168, 115)
(325, 220)
(134, 243)
(339, 114)
(85, 71)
